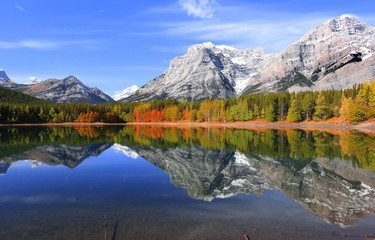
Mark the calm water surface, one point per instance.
(165, 183)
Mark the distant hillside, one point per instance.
(67, 90)
(10, 96)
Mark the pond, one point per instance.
(142, 182)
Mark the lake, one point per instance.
(142, 182)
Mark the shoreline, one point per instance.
(366, 127)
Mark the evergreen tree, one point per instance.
(295, 111)
(271, 115)
(308, 105)
(322, 111)
(256, 112)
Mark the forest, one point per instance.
(354, 105)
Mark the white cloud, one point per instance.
(39, 44)
(34, 44)
(46, 44)
(199, 8)
(21, 9)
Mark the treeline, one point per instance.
(355, 105)
(56, 113)
(295, 148)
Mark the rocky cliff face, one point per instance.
(320, 60)
(67, 90)
(332, 190)
(194, 76)
(101, 94)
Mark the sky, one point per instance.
(113, 44)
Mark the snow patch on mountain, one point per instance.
(125, 150)
(33, 80)
(34, 163)
(240, 158)
(125, 93)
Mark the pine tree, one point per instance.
(295, 112)
(322, 111)
(271, 115)
(256, 112)
(308, 105)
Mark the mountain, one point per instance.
(10, 96)
(3, 76)
(125, 93)
(336, 54)
(67, 90)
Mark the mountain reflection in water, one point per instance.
(329, 173)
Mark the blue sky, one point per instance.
(112, 44)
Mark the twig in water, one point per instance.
(362, 236)
(105, 227)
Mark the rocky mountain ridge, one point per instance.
(322, 59)
(67, 90)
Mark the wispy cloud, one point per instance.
(47, 44)
(21, 9)
(81, 32)
(137, 68)
(272, 35)
(104, 10)
(199, 8)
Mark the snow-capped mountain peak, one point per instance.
(33, 80)
(125, 93)
(3, 76)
